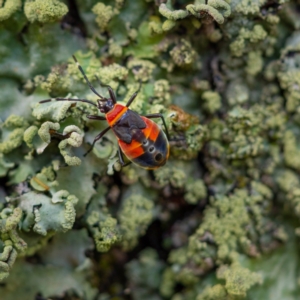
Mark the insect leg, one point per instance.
(68, 99)
(123, 164)
(97, 138)
(110, 90)
(133, 96)
(85, 77)
(158, 115)
(100, 118)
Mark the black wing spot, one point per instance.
(151, 149)
(158, 157)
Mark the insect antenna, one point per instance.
(69, 99)
(85, 77)
(110, 90)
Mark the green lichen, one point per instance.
(135, 216)
(56, 83)
(183, 54)
(7, 259)
(44, 11)
(216, 292)
(40, 182)
(212, 10)
(10, 242)
(55, 111)
(162, 92)
(168, 25)
(222, 213)
(239, 46)
(8, 8)
(142, 69)
(4, 165)
(173, 175)
(167, 12)
(195, 191)
(115, 49)
(237, 93)
(255, 63)
(109, 74)
(44, 214)
(29, 135)
(104, 14)
(12, 133)
(212, 101)
(74, 139)
(102, 225)
(238, 279)
(248, 7)
(291, 151)
(44, 131)
(107, 235)
(138, 271)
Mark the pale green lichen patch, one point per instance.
(183, 54)
(248, 7)
(167, 11)
(162, 92)
(142, 69)
(7, 259)
(73, 139)
(8, 8)
(44, 214)
(40, 183)
(224, 208)
(168, 25)
(12, 133)
(107, 234)
(135, 216)
(104, 13)
(171, 174)
(5, 165)
(57, 82)
(291, 150)
(45, 131)
(44, 11)
(212, 101)
(138, 271)
(29, 134)
(195, 191)
(10, 242)
(238, 279)
(212, 10)
(237, 93)
(102, 225)
(246, 37)
(55, 111)
(110, 74)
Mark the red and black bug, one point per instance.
(140, 139)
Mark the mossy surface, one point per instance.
(220, 221)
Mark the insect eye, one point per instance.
(158, 157)
(151, 149)
(145, 142)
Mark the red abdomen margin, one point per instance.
(149, 148)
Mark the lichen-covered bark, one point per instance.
(220, 220)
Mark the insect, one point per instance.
(140, 139)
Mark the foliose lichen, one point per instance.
(219, 219)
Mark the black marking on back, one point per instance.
(128, 125)
(147, 160)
